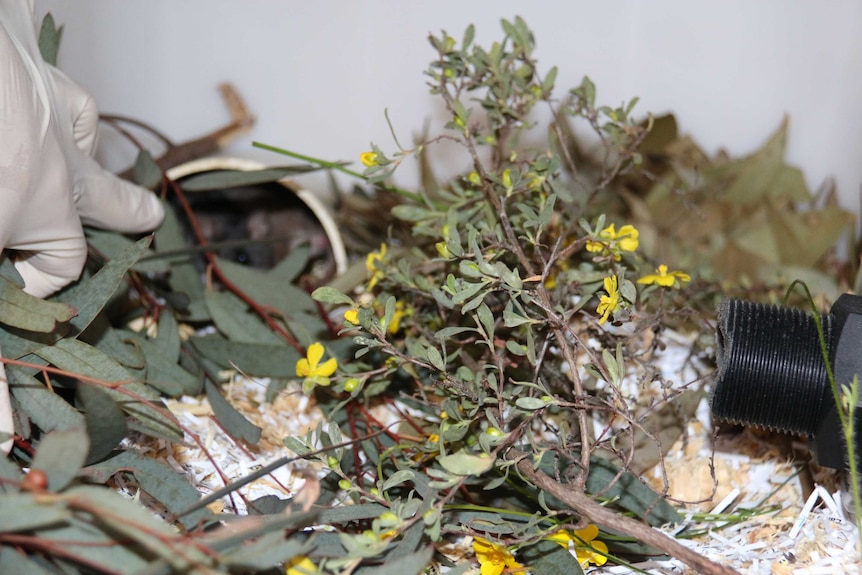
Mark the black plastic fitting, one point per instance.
(772, 374)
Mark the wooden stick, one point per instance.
(595, 513)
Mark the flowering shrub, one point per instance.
(486, 334)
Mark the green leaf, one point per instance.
(530, 403)
(331, 295)
(630, 493)
(230, 419)
(267, 290)
(25, 512)
(486, 321)
(252, 359)
(60, 455)
(147, 172)
(397, 478)
(22, 310)
(41, 405)
(463, 463)
(265, 552)
(106, 422)
(80, 358)
(549, 558)
(232, 317)
(412, 564)
(156, 478)
(184, 279)
(435, 359)
(49, 39)
(14, 561)
(224, 179)
(104, 337)
(139, 528)
(80, 542)
(89, 296)
(111, 244)
(162, 370)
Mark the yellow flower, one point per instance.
(369, 159)
(613, 242)
(609, 303)
(300, 565)
(494, 559)
(535, 181)
(352, 316)
(371, 264)
(507, 178)
(395, 323)
(582, 542)
(443, 250)
(665, 278)
(312, 370)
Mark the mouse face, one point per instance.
(258, 226)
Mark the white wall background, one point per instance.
(318, 75)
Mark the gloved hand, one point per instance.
(49, 182)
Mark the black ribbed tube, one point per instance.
(771, 371)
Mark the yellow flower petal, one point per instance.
(314, 354)
(369, 159)
(302, 367)
(628, 237)
(328, 367)
(300, 565)
(588, 533)
(352, 316)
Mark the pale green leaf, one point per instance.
(463, 463)
(22, 310)
(24, 512)
(60, 455)
(233, 422)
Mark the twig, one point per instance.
(603, 516)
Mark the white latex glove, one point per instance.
(49, 182)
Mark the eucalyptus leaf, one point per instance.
(147, 172)
(90, 295)
(271, 549)
(156, 478)
(60, 455)
(49, 39)
(138, 525)
(14, 561)
(224, 179)
(162, 370)
(412, 564)
(25, 512)
(233, 422)
(184, 278)
(233, 318)
(252, 359)
(79, 358)
(22, 310)
(41, 405)
(267, 290)
(106, 422)
(549, 558)
(80, 542)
